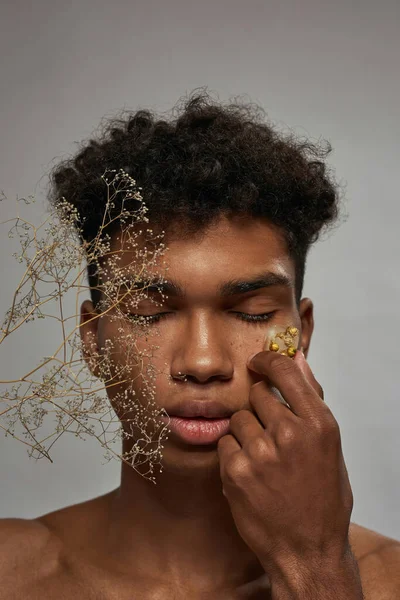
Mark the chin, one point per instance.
(185, 459)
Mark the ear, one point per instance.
(88, 327)
(306, 312)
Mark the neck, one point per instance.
(181, 525)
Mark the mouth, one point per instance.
(201, 418)
(205, 409)
(198, 430)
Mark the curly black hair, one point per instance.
(211, 159)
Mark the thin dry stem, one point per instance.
(64, 392)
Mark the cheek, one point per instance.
(120, 345)
(248, 341)
(257, 338)
(133, 371)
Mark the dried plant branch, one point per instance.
(67, 390)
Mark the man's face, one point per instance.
(204, 333)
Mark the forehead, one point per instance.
(230, 248)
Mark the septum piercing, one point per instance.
(180, 376)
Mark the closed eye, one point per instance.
(261, 318)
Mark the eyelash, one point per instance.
(264, 317)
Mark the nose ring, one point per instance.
(180, 376)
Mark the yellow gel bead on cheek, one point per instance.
(284, 341)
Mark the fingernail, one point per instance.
(283, 341)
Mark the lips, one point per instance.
(198, 431)
(192, 409)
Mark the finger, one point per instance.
(290, 380)
(227, 446)
(245, 426)
(267, 405)
(301, 361)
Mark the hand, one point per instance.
(283, 471)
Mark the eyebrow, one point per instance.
(231, 287)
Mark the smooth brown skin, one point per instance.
(178, 539)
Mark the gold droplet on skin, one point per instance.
(284, 341)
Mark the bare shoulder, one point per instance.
(79, 526)
(366, 542)
(37, 563)
(20, 537)
(378, 558)
(28, 552)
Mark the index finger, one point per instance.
(286, 375)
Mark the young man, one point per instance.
(261, 510)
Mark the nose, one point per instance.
(202, 354)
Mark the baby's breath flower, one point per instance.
(62, 387)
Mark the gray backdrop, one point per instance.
(326, 69)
